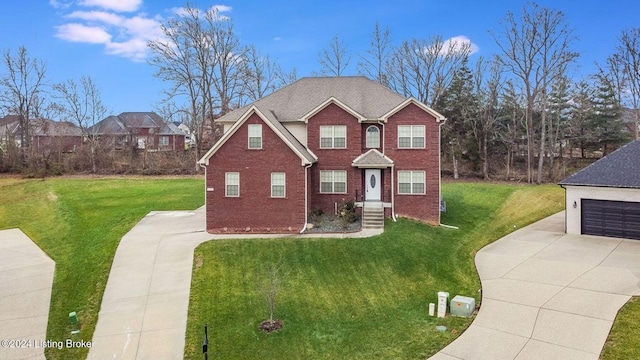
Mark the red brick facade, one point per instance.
(256, 211)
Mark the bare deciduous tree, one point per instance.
(532, 47)
(334, 60)
(82, 104)
(628, 57)
(22, 89)
(260, 75)
(424, 69)
(372, 64)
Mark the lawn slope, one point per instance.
(355, 298)
(79, 222)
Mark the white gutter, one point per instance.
(306, 193)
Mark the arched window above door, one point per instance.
(373, 137)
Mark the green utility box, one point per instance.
(73, 317)
(462, 306)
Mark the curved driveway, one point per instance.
(548, 295)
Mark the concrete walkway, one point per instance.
(144, 308)
(548, 295)
(26, 278)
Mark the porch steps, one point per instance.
(372, 217)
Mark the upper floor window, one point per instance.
(255, 136)
(373, 137)
(333, 137)
(232, 184)
(411, 136)
(333, 181)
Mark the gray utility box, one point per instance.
(462, 306)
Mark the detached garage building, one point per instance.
(604, 198)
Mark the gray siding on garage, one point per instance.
(619, 219)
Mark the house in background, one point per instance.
(317, 143)
(140, 130)
(45, 135)
(604, 198)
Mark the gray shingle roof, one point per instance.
(620, 169)
(121, 124)
(367, 97)
(372, 158)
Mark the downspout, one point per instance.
(440, 171)
(306, 196)
(393, 205)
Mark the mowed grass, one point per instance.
(624, 340)
(79, 222)
(355, 298)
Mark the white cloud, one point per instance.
(115, 5)
(457, 44)
(221, 8)
(277, 38)
(59, 4)
(98, 16)
(81, 33)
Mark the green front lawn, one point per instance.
(355, 298)
(78, 223)
(624, 340)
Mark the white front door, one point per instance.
(372, 185)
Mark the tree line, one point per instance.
(517, 109)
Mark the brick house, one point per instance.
(45, 135)
(140, 130)
(317, 143)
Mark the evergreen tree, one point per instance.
(606, 124)
(559, 119)
(581, 114)
(458, 104)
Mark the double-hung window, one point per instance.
(232, 184)
(411, 136)
(411, 182)
(333, 181)
(278, 181)
(255, 136)
(333, 137)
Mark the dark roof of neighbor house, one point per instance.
(367, 97)
(121, 124)
(46, 127)
(619, 169)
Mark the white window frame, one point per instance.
(415, 132)
(278, 182)
(331, 175)
(368, 140)
(329, 132)
(414, 177)
(231, 179)
(254, 131)
(163, 141)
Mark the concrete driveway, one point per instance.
(144, 308)
(548, 295)
(26, 279)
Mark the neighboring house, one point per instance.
(45, 135)
(55, 136)
(317, 143)
(141, 130)
(604, 198)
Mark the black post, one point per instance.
(205, 343)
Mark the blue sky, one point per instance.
(105, 38)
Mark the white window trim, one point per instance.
(333, 182)
(367, 137)
(228, 183)
(333, 137)
(284, 185)
(249, 136)
(413, 135)
(411, 172)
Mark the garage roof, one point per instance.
(621, 169)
